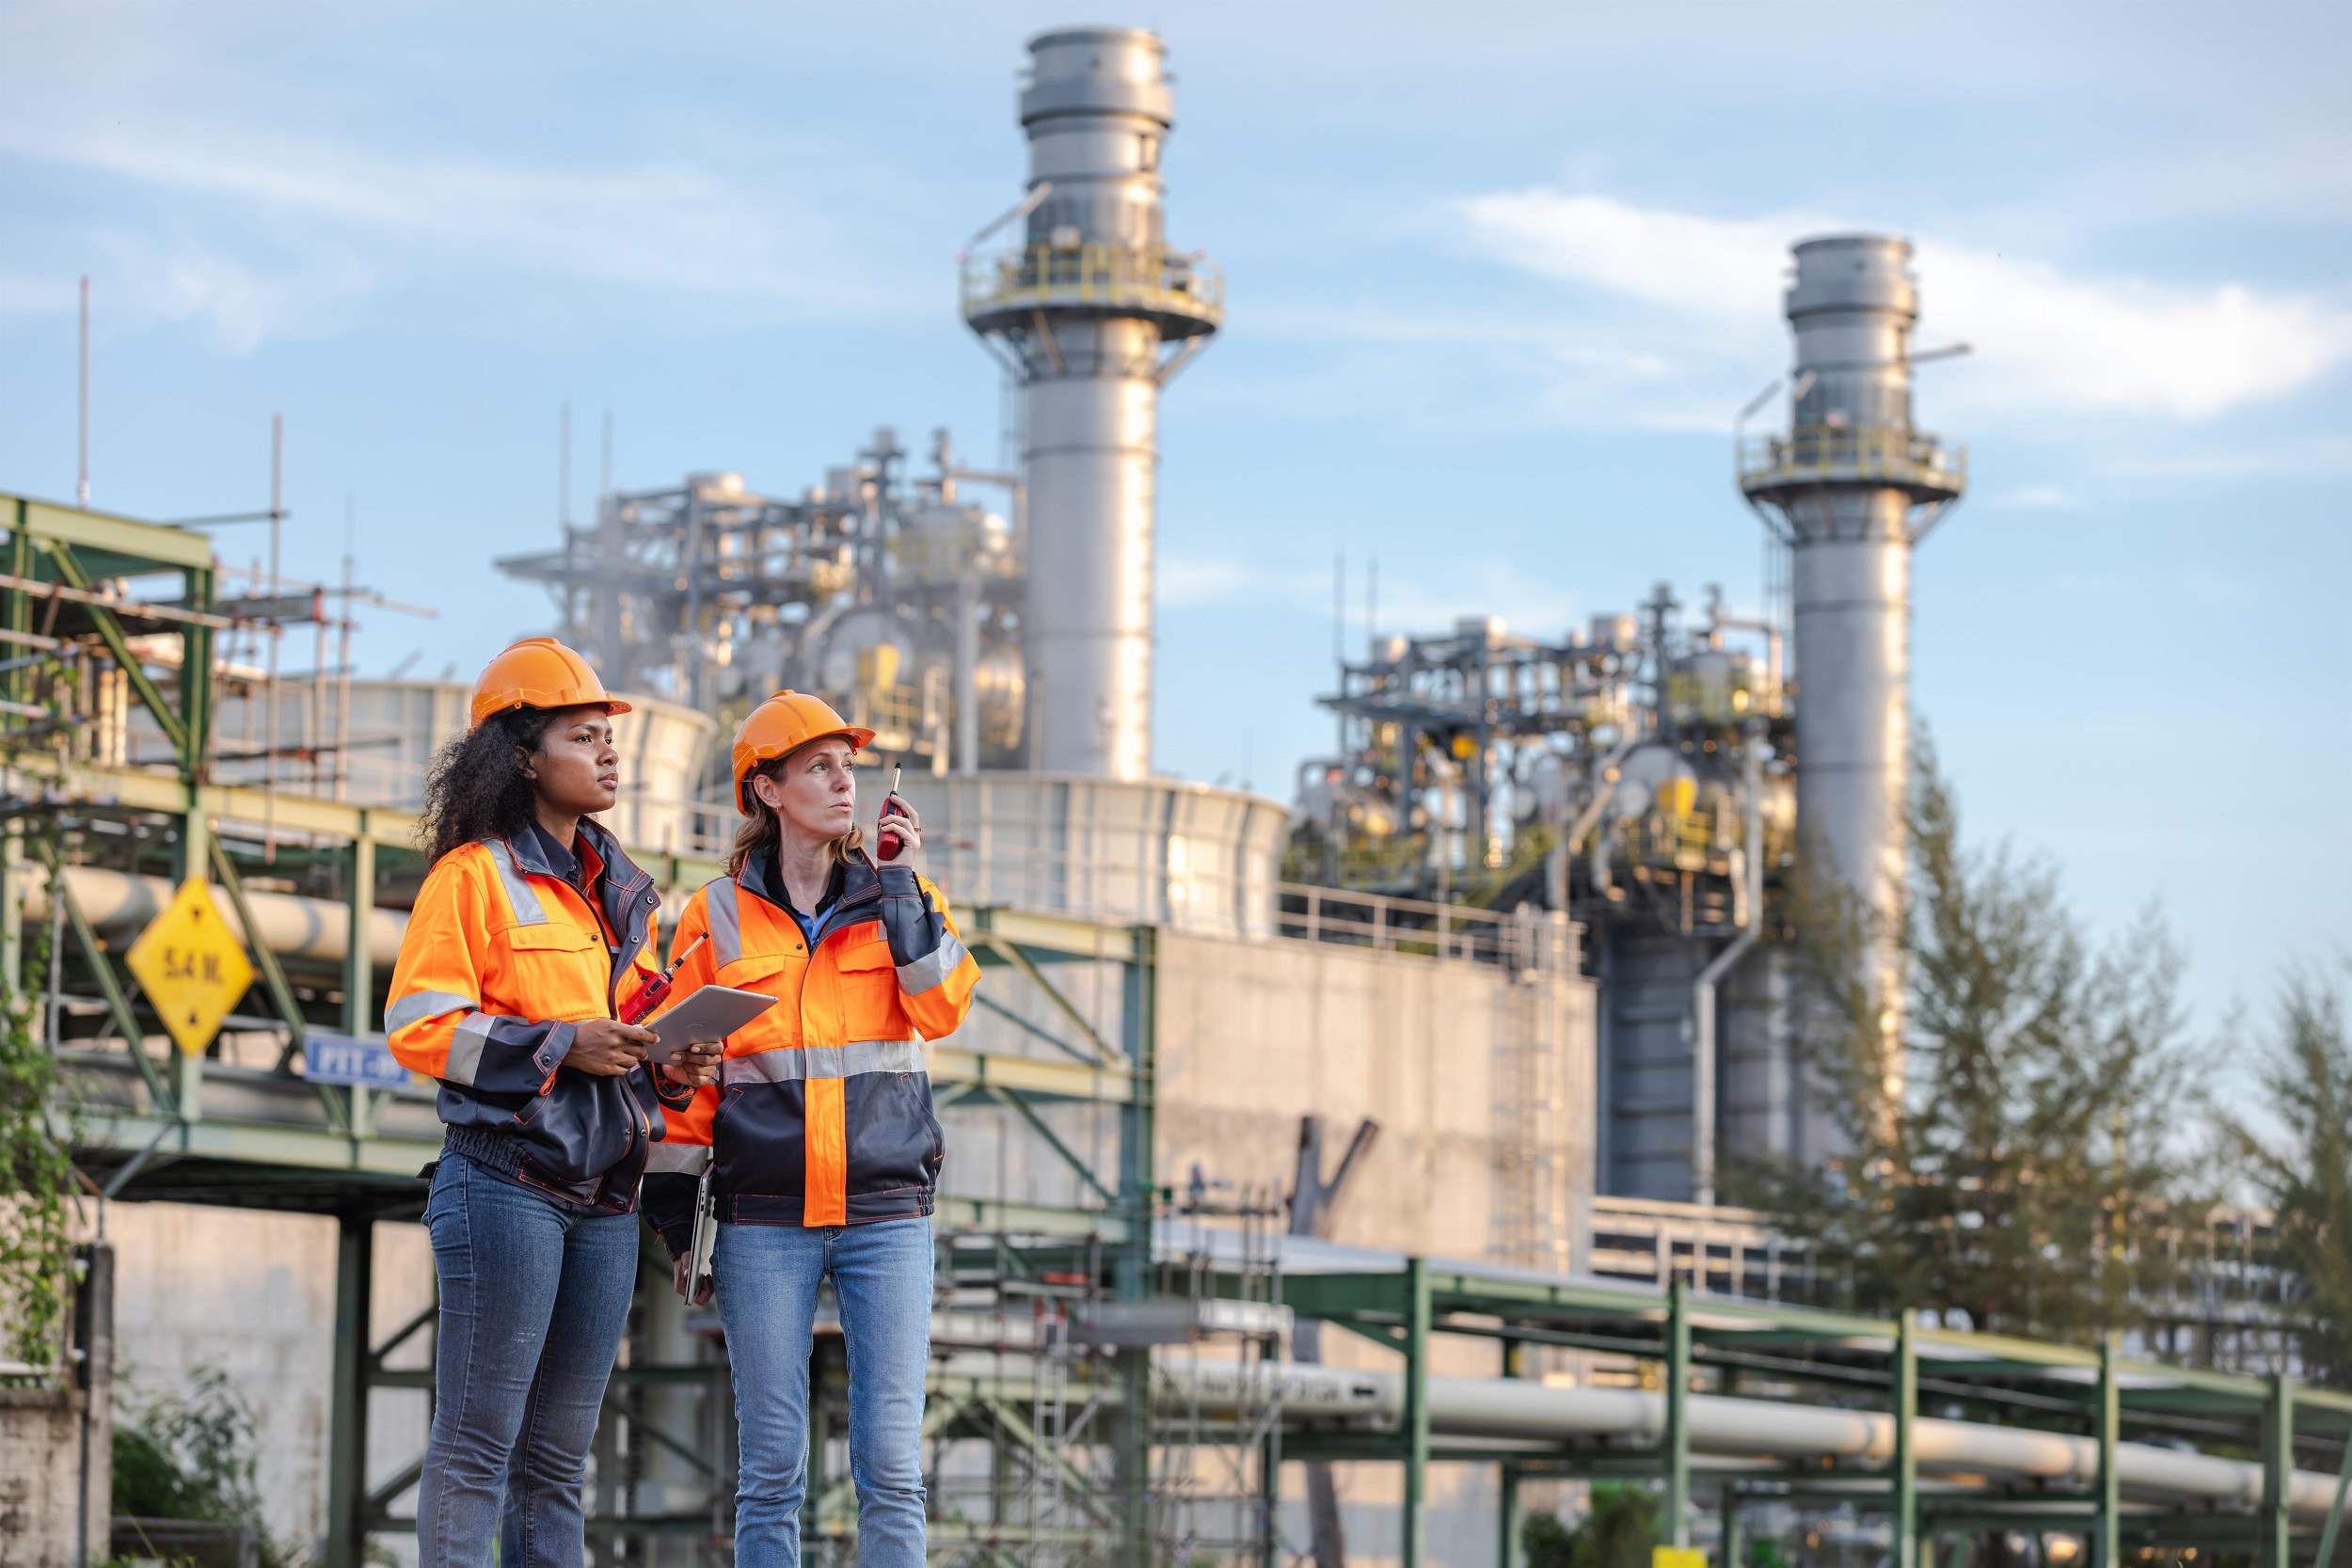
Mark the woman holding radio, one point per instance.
(824, 1150)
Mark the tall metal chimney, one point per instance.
(1850, 490)
(1093, 313)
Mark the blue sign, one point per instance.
(357, 1059)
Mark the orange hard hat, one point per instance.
(783, 725)
(539, 672)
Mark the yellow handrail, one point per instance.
(1868, 452)
(1146, 278)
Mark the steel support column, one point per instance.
(195, 674)
(1734, 1543)
(1132, 1268)
(347, 1439)
(1418, 1318)
(360, 968)
(2109, 1431)
(2278, 1473)
(1675, 1454)
(2326, 1552)
(1507, 1518)
(1906, 1392)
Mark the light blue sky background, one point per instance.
(1500, 277)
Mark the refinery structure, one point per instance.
(1328, 1178)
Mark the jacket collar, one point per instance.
(530, 849)
(860, 884)
(625, 891)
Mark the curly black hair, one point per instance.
(476, 790)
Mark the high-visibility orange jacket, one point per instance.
(503, 960)
(823, 1112)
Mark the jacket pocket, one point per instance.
(559, 971)
(867, 981)
(894, 1143)
(581, 1128)
(760, 1131)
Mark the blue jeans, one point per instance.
(533, 1300)
(765, 1277)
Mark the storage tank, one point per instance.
(396, 726)
(1190, 857)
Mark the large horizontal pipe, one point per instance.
(1512, 1409)
(311, 932)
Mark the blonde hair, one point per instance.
(759, 836)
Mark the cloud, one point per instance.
(666, 225)
(2300, 458)
(2035, 498)
(137, 282)
(2044, 339)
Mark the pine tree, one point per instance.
(2306, 1177)
(2013, 1157)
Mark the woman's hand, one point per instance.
(677, 1282)
(607, 1047)
(696, 1064)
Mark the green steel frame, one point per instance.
(1830, 1356)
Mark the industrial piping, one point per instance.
(1509, 1408)
(310, 931)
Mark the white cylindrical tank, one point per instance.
(1189, 857)
(396, 726)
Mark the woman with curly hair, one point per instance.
(531, 934)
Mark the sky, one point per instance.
(1498, 279)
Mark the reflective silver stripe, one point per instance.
(724, 917)
(931, 970)
(518, 892)
(797, 1063)
(466, 1048)
(676, 1159)
(420, 1005)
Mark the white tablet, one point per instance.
(711, 1013)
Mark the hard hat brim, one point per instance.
(611, 705)
(858, 739)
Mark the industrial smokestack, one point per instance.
(1093, 313)
(1850, 490)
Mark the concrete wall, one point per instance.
(41, 1462)
(1253, 1036)
(56, 1469)
(253, 1294)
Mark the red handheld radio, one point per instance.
(651, 993)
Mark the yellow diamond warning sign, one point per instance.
(194, 967)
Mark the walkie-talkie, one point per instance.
(888, 841)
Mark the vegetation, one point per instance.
(36, 1183)
(2014, 1157)
(1617, 1530)
(191, 1457)
(2306, 1176)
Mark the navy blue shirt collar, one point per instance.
(559, 857)
(763, 875)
